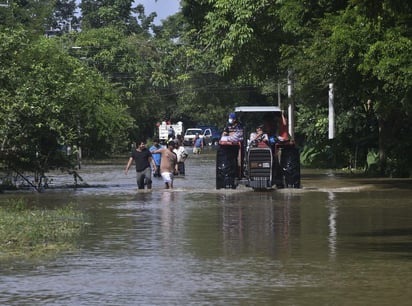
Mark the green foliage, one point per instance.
(367, 58)
(116, 13)
(98, 14)
(362, 47)
(29, 14)
(63, 19)
(15, 206)
(51, 100)
(131, 64)
(317, 151)
(26, 231)
(389, 61)
(198, 65)
(244, 36)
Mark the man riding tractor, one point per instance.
(257, 164)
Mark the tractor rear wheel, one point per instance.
(226, 167)
(290, 164)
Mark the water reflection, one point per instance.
(246, 227)
(334, 240)
(333, 211)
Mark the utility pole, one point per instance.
(291, 106)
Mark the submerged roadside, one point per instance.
(36, 232)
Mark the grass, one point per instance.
(34, 232)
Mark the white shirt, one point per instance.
(181, 154)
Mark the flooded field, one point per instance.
(336, 241)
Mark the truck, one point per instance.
(213, 136)
(260, 167)
(209, 134)
(165, 127)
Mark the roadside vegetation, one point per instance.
(87, 78)
(34, 232)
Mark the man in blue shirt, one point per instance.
(156, 156)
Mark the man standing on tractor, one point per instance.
(233, 131)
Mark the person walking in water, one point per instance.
(197, 144)
(143, 159)
(181, 157)
(156, 156)
(168, 164)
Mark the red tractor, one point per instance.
(259, 165)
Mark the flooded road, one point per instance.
(335, 241)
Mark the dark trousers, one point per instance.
(144, 178)
(181, 168)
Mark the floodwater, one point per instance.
(336, 241)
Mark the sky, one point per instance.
(163, 8)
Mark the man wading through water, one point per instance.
(168, 164)
(142, 158)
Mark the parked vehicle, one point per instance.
(204, 133)
(190, 135)
(214, 136)
(263, 166)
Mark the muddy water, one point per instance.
(335, 241)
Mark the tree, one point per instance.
(27, 13)
(243, 36)
(363, 47)
(50, 101)
(63, 19)
(129, 63)
(116, 13)
(347, 43)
